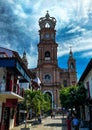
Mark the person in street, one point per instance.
(75, 123)
(54, 114)
(39, 118)
(51, 114)
(68, 122)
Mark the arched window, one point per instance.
(47, 77)
(47, 25)
(72, 65)
(47, 54)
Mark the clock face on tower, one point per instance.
(47, 36)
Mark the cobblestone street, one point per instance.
(57, 123)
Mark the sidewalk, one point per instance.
(57, 123)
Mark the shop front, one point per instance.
(8, 114)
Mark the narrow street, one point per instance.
(48, 123)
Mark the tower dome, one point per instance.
(47, 21)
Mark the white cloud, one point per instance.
(32, 61)
(87, 54)
(75, 29)
(78, 44)
(19, 11)
(32, 57)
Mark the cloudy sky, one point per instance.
(19, 28)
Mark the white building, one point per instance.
(86, 79)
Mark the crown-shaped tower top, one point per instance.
(47, 21)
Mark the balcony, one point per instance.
(12, 92)
(9, 89)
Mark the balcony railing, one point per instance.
(16, 89)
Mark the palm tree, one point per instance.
(36, 101)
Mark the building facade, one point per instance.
(52, 77)
(14, 76)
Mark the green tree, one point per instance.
(33, 99)
(36, 101)
(81, 94)
(66, 97)
(47, 103)
(72, 97)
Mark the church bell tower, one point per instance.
(47, 47)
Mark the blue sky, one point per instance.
(19, 28)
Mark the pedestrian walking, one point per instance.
(68, 122)
(75, 123)
(51, 114)
(54, 114)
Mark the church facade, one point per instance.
(52, 77)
